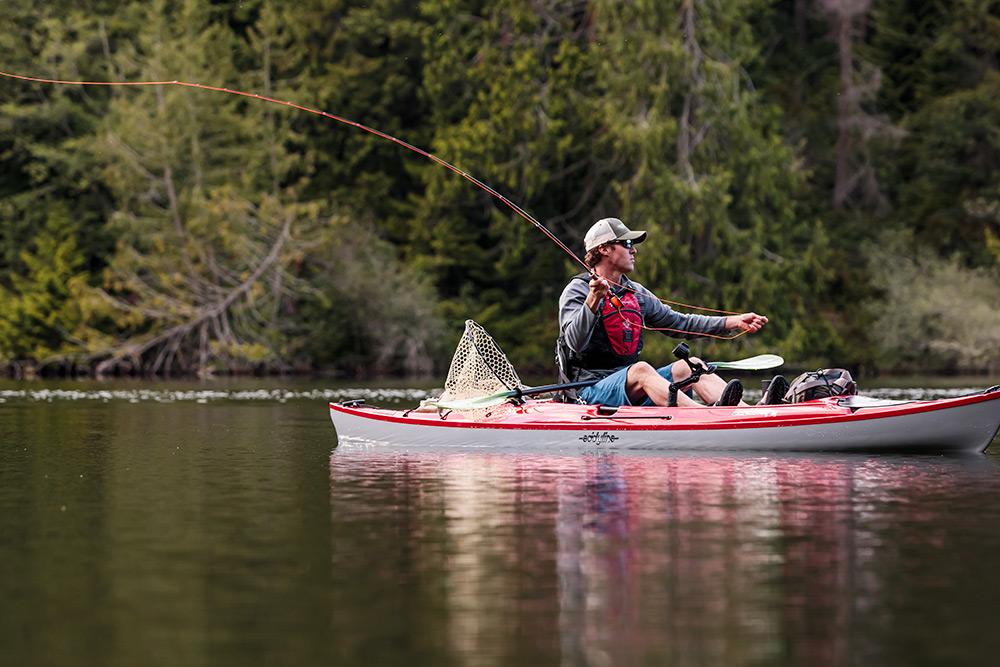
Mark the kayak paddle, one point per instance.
(759, 363)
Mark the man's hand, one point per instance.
(598, 290)
(698, 362)
(750, 322)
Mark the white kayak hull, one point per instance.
(964, 424)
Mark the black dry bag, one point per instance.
(821, 384)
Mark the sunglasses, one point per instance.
(628, 244)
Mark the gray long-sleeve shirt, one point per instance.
(577, 322)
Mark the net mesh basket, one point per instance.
(479, 367)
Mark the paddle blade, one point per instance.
(761, 362)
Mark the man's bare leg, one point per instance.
(643, 380)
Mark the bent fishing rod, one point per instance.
(378, 133)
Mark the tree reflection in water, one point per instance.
(625, 558)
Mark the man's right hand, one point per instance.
(599, 288)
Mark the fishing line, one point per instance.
(378, 133)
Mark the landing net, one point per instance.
(479, 367)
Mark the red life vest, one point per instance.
(622, 321)
(615, 342)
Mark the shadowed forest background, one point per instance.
(834, 164)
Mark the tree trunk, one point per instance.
(846, 109)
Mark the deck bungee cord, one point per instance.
(419, 151)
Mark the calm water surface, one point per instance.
(188, 524)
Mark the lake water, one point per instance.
(220, 524)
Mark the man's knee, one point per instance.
(639, 375)
(641, 379)
(641, 370)
(680, 371)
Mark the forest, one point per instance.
(833, 164)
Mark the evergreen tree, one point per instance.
(42, 318)
(358, 308)
(362, 61)
(706, 170)
(52, 204)
(179, 229)
(509, 86)
(198, 229)
(944, 84)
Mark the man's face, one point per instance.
(621, 256)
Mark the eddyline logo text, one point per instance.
(603, 438)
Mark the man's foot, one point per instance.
(775, 392)
(732, 394)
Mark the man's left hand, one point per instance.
(750, 322)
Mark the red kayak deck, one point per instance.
(542, 414)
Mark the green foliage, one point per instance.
(934, 313)
(508, 91)
(170, 229)
(950, 159)
(45, 172)
(368, 314)
(362, 61)
(705, 168)
(944, 87)
(40, 319)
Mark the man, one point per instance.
(600, 328)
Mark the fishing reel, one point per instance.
(683, 352)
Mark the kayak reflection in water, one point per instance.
(600, 323)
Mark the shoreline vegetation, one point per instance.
(833, 164)
(882, 380)
(397, 382)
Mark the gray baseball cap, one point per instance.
(610, 229)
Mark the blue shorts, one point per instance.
(611, 390)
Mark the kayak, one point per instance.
(841, 424)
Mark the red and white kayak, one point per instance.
(855, 423)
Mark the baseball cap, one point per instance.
(610, 229)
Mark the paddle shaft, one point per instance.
(503, 396)
(771, 361)
(544, 389)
